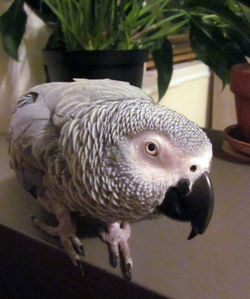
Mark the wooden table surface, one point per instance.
(166, 265)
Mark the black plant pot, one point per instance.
(124, 65)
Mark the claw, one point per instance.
(117, 238)
(102, 234)
(80, 266)
(71, 244)
(113, 247)
(78, 245)
(114, 260)
(65, 230)
(50, 230)
(128, 271)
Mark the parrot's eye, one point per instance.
(151, 148)
(193, 168)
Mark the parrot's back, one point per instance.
(37, 128)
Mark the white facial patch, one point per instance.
(168, 166)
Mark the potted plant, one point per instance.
(238, 136)
(219, 32)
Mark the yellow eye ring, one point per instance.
(152, 148)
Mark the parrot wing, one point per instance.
(29, 132)
(65, 99)
(41, 113)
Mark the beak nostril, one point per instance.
(193, 168)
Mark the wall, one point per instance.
(189, 91)
(17, 77)
(223, 106)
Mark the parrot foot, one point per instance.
(70, 242)
(117, 239)
(66, 232)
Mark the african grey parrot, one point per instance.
(105, 149)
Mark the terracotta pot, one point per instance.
(240, 86)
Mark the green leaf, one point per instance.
(245, 2)
(41, 10)
(215, 7)
(168, 30)
(12, 27)
(243, 44)
(245, 10)
(163, 58)
(218, 51)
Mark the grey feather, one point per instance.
(66, 141)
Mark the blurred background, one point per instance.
(194, 89)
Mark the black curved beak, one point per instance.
(196, 205)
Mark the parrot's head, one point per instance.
(159, 161)
(162, 157)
